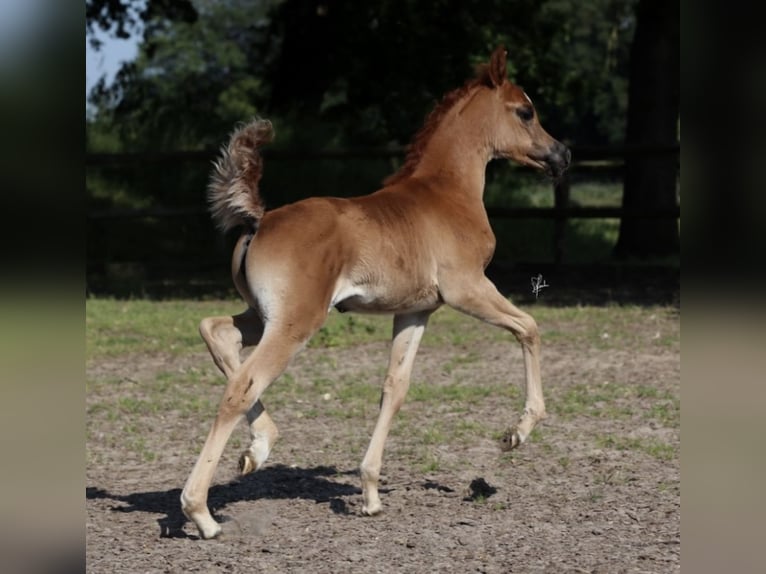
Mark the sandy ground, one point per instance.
(569, 500)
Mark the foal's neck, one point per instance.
(457, 155)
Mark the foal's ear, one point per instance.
(497, 71)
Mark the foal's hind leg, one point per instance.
(225, 337)
(245, 386)
(263, 434)
(481, 299)
(408, 330)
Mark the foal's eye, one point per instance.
(526, 113)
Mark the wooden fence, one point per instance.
(587, 160)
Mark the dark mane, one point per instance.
(420, 140)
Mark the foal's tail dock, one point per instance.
(233, 190)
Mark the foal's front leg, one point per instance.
(225, 337)
(408, 330)
(481, 299)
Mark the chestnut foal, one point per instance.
(421, 241)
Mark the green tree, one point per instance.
(362, 73)
(382, 64)
(193, 80)
(124, 17)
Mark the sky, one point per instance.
(107, 60)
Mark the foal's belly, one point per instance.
(379, 299)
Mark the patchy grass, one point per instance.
(438, 412)
(429, 463)
(456, 393)
(615, 401)
(342, 330)
(652, 447)
(117, 327)
(609, 326)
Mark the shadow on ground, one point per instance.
(273, 482)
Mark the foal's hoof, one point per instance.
(247, 463)
(511, 439)
(372, 509)
(254, 457)
(212, 533)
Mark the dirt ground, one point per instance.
(580, 495)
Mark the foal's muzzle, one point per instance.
(557, 159)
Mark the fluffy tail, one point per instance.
(233, 190)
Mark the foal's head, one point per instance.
(516, 132)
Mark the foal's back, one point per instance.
(374, 253)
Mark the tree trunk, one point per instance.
(653, 114)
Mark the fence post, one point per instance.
(561, 203)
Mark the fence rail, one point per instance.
(493, 212)
(583, 154)
(589, 159)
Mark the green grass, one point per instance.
(615, 401)
(117, 327)
(342, 330)
(454, 393)
(587, 240)
(439, 410)
(605, 327)
(667, 412)
(429, 463)
(653, 447)
(608, 327)
(596, 194)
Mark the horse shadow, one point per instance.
(274, 482)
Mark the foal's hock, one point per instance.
(420, 242)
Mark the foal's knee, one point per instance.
(528, 333)
(206, 327)
(224, 342)
(216, 331)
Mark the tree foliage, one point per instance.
(124, 18)
(349, 73)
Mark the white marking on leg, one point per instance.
(408, 330)
(260, 448)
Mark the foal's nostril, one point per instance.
(562, 153)
(558, 159)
